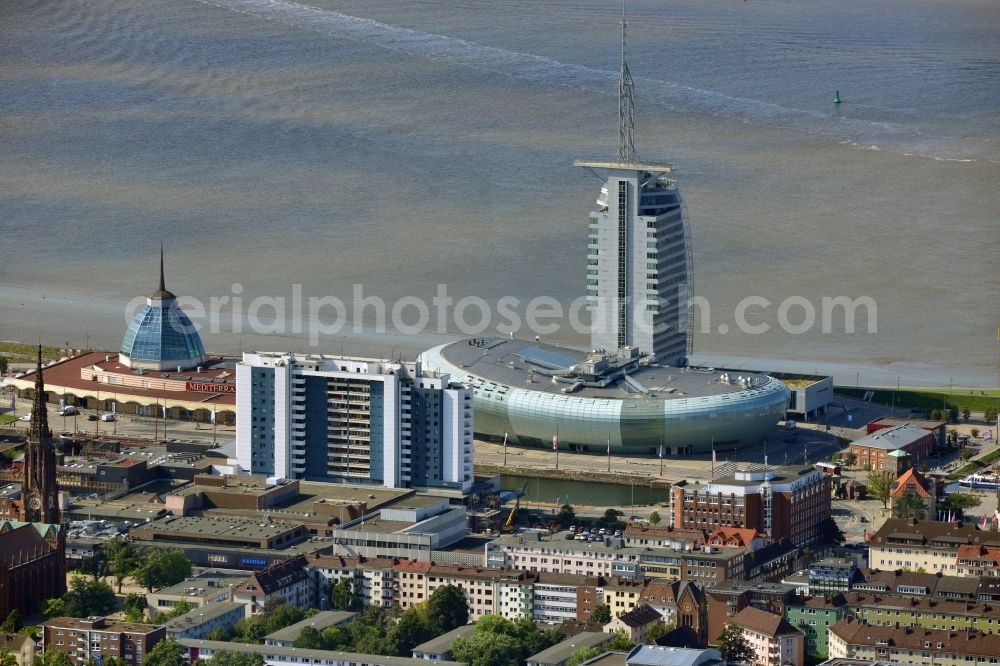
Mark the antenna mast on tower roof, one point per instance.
(626, 106)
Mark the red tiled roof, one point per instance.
(65, 376)
(762, 622)
(911, 480)
(991, 553)
(738, 537)
(413, 565)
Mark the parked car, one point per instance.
(91, 417)
(107, 417)
(68, 410)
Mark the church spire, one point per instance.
(163, 284)
(39, 412)
(39, 488)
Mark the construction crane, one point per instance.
(508, 525)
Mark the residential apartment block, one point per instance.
(354, 420)
(854, 639)
(288, 580)
(84, 638)
(927, 545)
(775, 642)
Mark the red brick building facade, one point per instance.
(799, 503)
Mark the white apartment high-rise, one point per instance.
(638, 250)
(371, 421)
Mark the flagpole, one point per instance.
(609, 450)
(713, 458)
(661, 452)
(505, 449)
(555, 445)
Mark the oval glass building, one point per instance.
(532, 392)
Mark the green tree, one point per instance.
(851, 459)
(654, 518)
(369, 633)
(167, 652)
(182, 607)
(966, 414)
(447, 609)
(135, 606)
(485, 648)
(53, 608)
(583, 654)
(342, 596)
(880, 485)
(120, 558)
(53, 657)
(88, 597)
(831, 532)
(959, 502)
(733, 645)
(974, 432)
(161, 568)
(566, 516)
(226, 658)
(620, 642)
(13, 623)
(601, 614)
(249, 630)
(966, 454)
(991, 415)
(412, 629)
(6, 657)
(658, 629)
(611, 515)
(281, 616)
(909, 505)
(222, 634)
(310, 638)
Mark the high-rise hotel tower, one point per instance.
(638, 250)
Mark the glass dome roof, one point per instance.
(161, 336)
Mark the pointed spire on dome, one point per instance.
(162, 292)
(39, 429)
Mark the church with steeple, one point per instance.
(33, 548)
(39, 490)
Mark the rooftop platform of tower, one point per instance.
(618, 375)
(652, 167)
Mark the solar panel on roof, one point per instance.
(547, 358)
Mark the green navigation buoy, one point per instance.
(836, 97)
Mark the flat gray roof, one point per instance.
(207, 582)
(226, 646)
(319, 621)
(503, 361)
(893, 438)
(560, 652)
(219, 526)
(442, 643)
(202, 614)
(559, 541)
